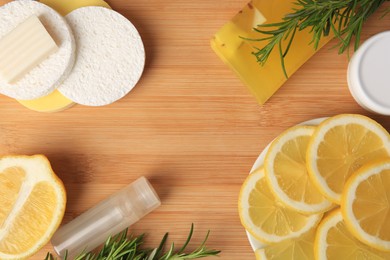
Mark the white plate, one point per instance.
(255, 244)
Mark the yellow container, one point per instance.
(263, 81)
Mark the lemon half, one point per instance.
(32, 205)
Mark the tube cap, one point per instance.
(144, 198)
(369, 74)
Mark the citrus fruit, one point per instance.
(365, 204)
(264, 217)
(334, 241)
(286, 173)
(341, 145)
(32, 204)
(298, 248)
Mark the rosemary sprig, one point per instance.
(344, 18)
(122, 247)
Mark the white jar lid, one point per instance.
(369, 74)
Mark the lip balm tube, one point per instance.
(108, 218)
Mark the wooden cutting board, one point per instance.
(190, 126)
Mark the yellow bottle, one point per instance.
(263, 81)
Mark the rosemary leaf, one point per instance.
(123, 247)
(343, 18)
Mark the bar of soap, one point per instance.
(24, 48)
(48, 74)
(229, 45)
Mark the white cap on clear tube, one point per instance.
(108, 218)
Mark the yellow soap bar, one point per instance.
(229, 45)
(24, 48)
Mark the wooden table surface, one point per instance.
(190, 125)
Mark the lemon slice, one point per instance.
(334, 241)
(32, 204)
(298, 248)
(365, 205)
(265, 218)
(340, 145)
(286, 173)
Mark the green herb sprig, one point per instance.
(344, 18)
(124, 247)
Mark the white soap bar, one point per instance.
(49, 73)
(24, 48)
(110, 57)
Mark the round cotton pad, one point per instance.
(55, 101)
(110, 57)
(46, 76)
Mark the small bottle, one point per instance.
(369, 74)
(108, 218)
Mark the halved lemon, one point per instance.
(286, 173)
(365, 205)
(32, 204)
(341, 145)
(298, 248)
(334, 241)
(265, 217)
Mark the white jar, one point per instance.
(369, 74)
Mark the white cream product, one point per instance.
(43, 78)
(369, 74)
(106, 219)
(110, 57)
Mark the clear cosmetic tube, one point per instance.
(109, 217)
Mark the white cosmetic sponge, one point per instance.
(45, 77)
(110, 57)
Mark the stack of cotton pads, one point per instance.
(100, 57)
(47, 76)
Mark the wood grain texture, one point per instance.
(190, 125)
